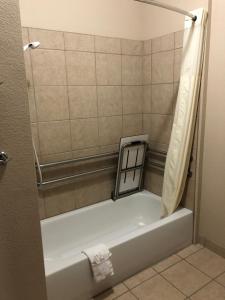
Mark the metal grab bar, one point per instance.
(98, 156)
(62, 179)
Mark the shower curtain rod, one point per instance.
(169, 7)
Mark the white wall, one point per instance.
(159, 21)
(119, 18)
(212, 212)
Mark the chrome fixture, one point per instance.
(43, 183)
(169, 7)
(32, 45)
(4, 158)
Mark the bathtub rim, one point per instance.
(58, 266)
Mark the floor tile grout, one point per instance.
(212, 278)
(160, 274)
(173, 285)
(140, 282)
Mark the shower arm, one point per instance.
(169, 7)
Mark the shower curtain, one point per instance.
(181, 140)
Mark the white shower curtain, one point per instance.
(181, 140)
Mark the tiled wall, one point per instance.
(87, 91)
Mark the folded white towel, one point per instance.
(99, 258)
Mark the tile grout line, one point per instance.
(97, 98)
(68, 100)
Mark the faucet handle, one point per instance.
(4, 158)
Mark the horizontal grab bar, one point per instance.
(104, 155)
(75, 176)
(62, 179)
(42, 183)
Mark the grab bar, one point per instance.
(98, 156)
(104, 155)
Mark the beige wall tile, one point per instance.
(82, 101)
(132, 47)
(132, 70)
(108, 69)
(154, 180)
(212, 291)
(132, 99)
(49, 39)
(80, 68)
(109, 148)
(162, 98)
(147, 47)
(175, 92)
(52, 103)
(147, 124)
(94, 189)
(163, 43)
(84, 133)
(41, 205)
(35, 136)
(110, 130)
(56, 157)
(188, 198)
(28, 68)
(54, 137)
(132, 125)
(107, 45)
(185, 277)
(147, 96)
(25, 36)
(59, 199)
(80, 42)
(32, 105)
(157, 288)
(162, 67)
(48, 67)
(109, 100)
(177, 64)
(179, 39)
(161, 126)
(86, 152)
(27, 58)
(147, 69)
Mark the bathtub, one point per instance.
(130, 227)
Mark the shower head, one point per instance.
(32, 45)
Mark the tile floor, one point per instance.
(194, 273)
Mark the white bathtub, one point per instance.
(130, 227)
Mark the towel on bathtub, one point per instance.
(99, 258)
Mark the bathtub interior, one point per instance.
(101, 222)
(109, 222)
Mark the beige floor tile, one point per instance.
(189, 250)
(157, 288)
(166, 263)
(213, 291)
(127, 296)
(139, 278)
(185, 277)
(113, 293)
(208, 262)
(221, 279)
